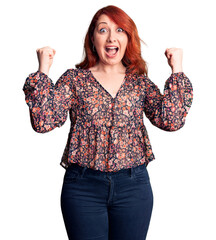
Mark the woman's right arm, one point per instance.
(49, 103)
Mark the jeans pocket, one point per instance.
(142, 176)
(70, 176)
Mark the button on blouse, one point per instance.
(106, 133)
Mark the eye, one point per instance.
(120, 30)
(102, 30)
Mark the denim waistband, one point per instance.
(86, 170)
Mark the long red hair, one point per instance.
(132, 58)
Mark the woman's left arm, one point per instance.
(168, 111)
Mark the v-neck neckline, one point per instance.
(103, 88)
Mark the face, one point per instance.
(110, 41)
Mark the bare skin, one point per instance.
(111, 81)
(109, 71)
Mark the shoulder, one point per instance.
(77, 71)
(140, 78)
(146, 81)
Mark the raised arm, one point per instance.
(49, 103)
(168, 111)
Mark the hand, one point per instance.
(174, 57)
(45, 57)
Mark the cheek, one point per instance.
(124, 46)
(99, 47)
(124, 43)
(98, 40)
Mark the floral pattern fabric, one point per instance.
(107, 133)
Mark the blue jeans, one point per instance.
(106, 205)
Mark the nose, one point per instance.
(111, 36)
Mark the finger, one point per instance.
(167, 51)
(168, 56)
(171, 50)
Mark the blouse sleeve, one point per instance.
(168, 111)
(49, 103)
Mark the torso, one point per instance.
(110, 81)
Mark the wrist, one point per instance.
(44, 70)
(177, 69)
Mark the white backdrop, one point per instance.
(182, 176)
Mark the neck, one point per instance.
(117, 68)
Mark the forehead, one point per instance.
(105, 20)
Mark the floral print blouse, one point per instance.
(106, 133)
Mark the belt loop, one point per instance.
(83, 171)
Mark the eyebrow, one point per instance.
(101, 23)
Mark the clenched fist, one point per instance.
(174, 57)
(45, 57)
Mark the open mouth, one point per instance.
(112, 50)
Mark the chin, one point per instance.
(113, 61)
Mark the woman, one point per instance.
(106, 191)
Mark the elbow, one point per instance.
(173, 125)
(39, 125)
(39, 129)
(168, 124)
